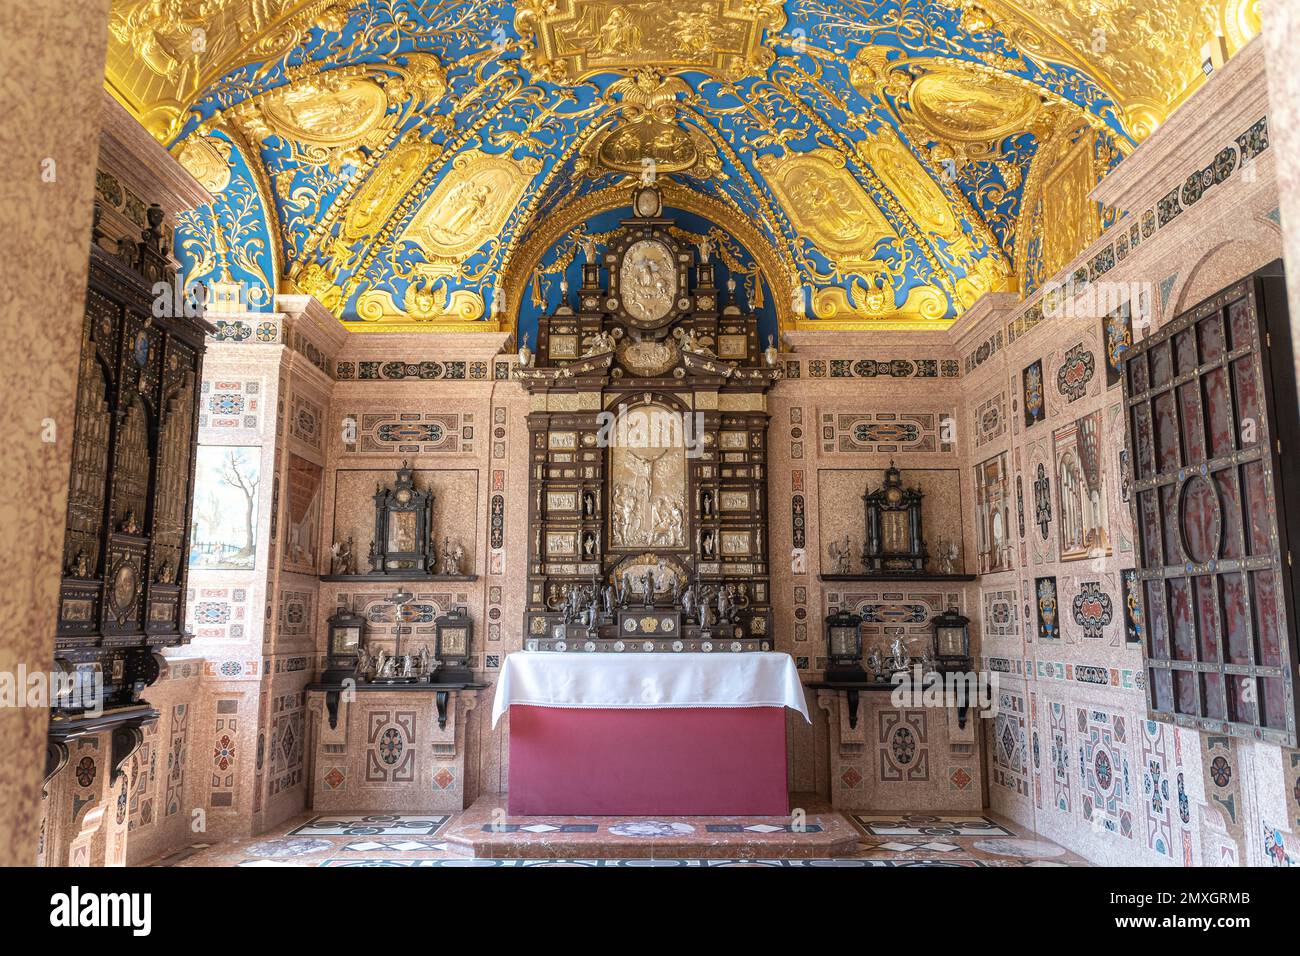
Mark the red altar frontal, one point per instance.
(680, 734)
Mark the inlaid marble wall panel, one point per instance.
(407, 432)
(374, 603)
(504, 581)
(840, 513)
(1008, 744)
(302, 549)
(1040, 487)
(1090, 607)
(456, 508)
(297, 616)
(282, 790)
(894, 610)
(231, 404)
(884, 432)
(163, 781)
(909, 759)
(993, 518)
(387, 753)
(989, 419)
(466, 435)
(1074, 374)
(237, 494)
(306, 419)
(834, 417)
(1000, 619)
(1093, 773)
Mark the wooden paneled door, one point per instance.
(1214, 437)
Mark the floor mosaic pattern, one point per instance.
(379, 824)
(487, 830)
(638, 863)
(824, 839)
(930, 826)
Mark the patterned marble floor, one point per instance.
(857, 840)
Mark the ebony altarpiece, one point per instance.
(125, 552)
(648, 455)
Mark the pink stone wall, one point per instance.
(947, 407)
(849, 405)
(1072, 754)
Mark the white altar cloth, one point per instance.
(649, 681)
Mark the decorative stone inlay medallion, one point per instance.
(651, 828)
(278, 849)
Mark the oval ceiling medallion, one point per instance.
(627, 148)
(969, 108)
(313, 112)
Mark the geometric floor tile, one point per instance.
(762, 828)
(400, 846)
(540, 827)
(377, 824)
(923, 825)
(485, 835)
(895, 847)
(833, 862)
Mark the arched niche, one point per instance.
(554, 250)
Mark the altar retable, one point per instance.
(648, 682)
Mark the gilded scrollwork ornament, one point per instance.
(887, 163)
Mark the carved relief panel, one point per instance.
(648, 483)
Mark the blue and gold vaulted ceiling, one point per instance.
(864, 163)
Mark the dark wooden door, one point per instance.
(1213, 437)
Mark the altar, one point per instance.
(671, 734)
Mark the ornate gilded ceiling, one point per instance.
(877, 163)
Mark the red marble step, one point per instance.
(486, 830)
